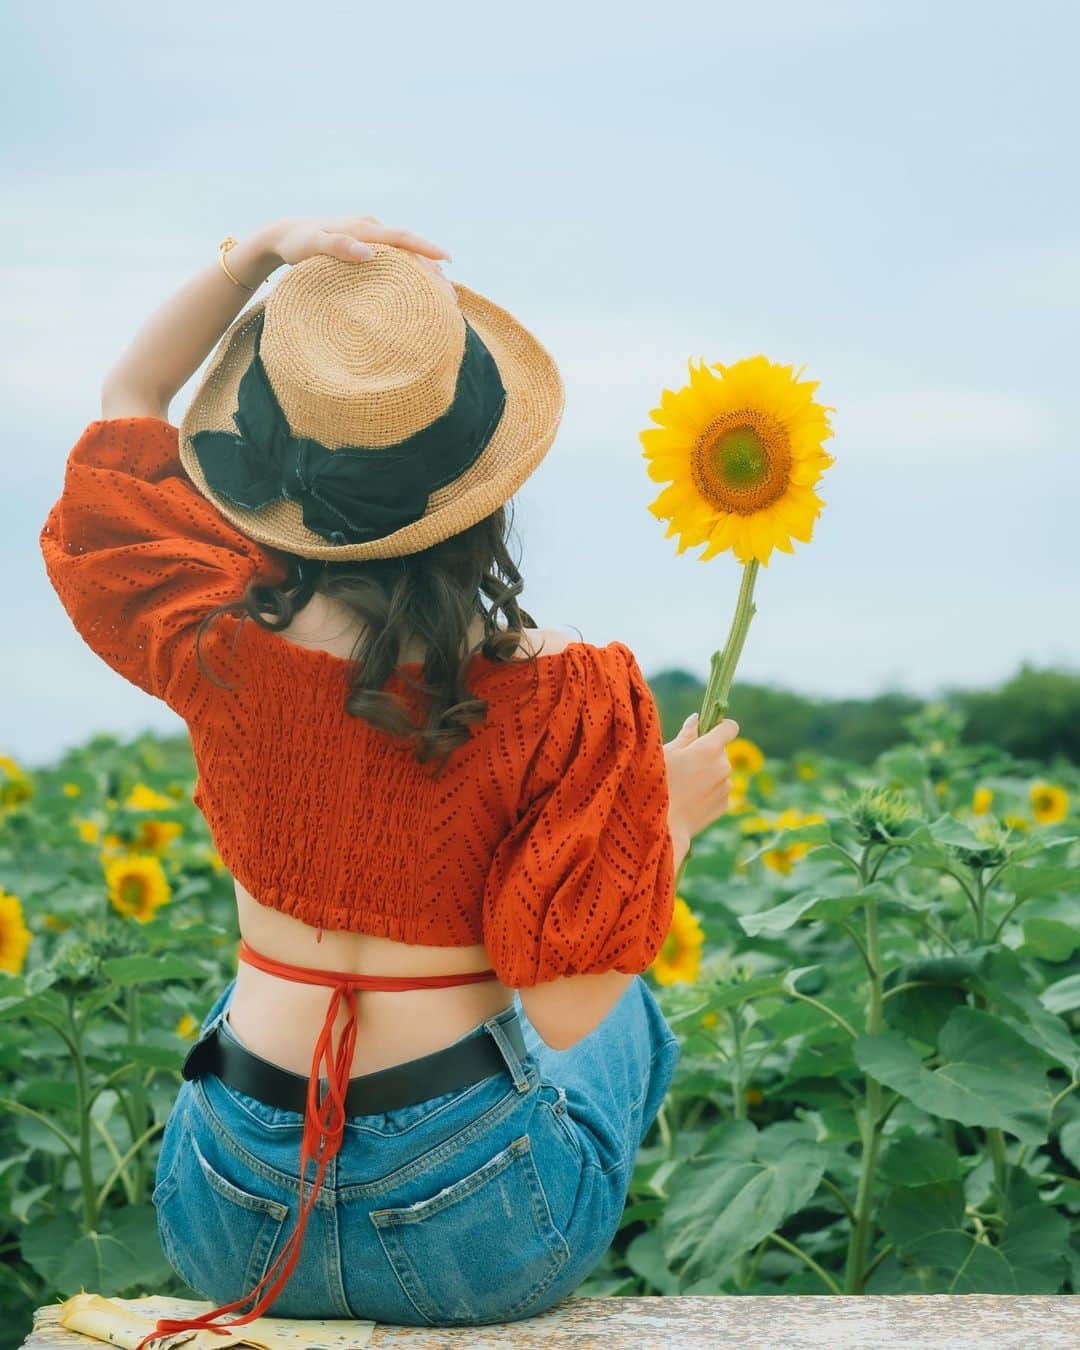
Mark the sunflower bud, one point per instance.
(878, 815)
(995, 838)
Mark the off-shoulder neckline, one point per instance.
(477, 658)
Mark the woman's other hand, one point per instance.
(346, 237)
(699, 776)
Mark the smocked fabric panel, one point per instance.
(546, 835)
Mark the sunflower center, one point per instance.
(742, 461)
(741, 457)
(132, 891)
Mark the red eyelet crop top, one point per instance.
(546, 836)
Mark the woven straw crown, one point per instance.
(364, 356)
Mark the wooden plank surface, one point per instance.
(986, 1321)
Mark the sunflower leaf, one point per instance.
(816, 833)
(739, 1187)
(125, 970)
(988, 1076)
(808, 906)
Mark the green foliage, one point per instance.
(786, 722)
(734, 1191)
(94, 1027)
(878, 1085)
(1033, 716)
(985, 1074)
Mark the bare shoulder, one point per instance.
(543, 642)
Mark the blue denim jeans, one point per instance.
(486, 1204)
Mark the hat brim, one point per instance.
(526, 430)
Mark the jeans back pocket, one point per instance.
(218, 1236)
(481, 1250)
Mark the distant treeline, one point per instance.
(1035, 714)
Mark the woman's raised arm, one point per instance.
(173, 343)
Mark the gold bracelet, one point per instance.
(226, 244)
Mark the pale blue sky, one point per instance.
(885, 193)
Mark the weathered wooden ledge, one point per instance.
(987, 1321)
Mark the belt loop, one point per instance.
(514, 1061)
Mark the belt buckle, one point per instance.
(202, 1057)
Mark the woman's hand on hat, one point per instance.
(346, 237)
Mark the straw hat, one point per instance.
(357, 412)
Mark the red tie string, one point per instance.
(324, 1121)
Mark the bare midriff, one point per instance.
(281, 1019)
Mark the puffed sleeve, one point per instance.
(584, 881)
(137, 555)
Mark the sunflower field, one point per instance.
(875, 972)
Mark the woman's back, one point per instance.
(280, 1021)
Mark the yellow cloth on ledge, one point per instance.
(124, 1322)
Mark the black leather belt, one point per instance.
(417, 1080)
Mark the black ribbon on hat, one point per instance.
(357, 493)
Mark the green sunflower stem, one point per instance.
(722, 671)
(714, 701)
(140, 1109)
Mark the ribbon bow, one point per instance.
(356, 493)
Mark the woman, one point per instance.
(454, 835)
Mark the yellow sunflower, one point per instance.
(89, 830)
(981, 800)
(71, 789)
(678, 959)
(15, 783)
(783, 859)
(143, 798)
(187, 1028)
(156, 835)
(1049, 804)
(744, 756)
(741, 452)
(806, 771)
(137, 885)
(739, 786)
(15, 937)
(1018, 823)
